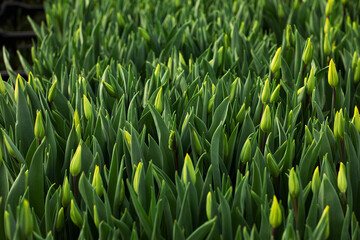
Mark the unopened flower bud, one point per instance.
(329, 7)
(241, 114)
(275, 214)
(9, 147)
(315, 182)
(96, 217)
(75, 164)
(272, 165)
(27, 219)
(275, 94)
(290, 38)
(210, 104)
(39, 129)
(308, 136)
(97, 182)
(294, 187)
(188, 172)
(7, 224)
(208, 205)
(308, 52)
(137, 175)
(127, 138)
(332, 75)
(172, 141)
(233, 89)
(357, 72)
(144, 34)
(196, 141)
(341, 179)
(339, 125)
(52, 91)
(327, 26)
(356, 118)
(2, 85)
(276, 61)
(245, 155)
(109, 89)
(75, 215)
(60, 220)
(325, 220)
(310, 84)
(265, 96)
(354, 60)
(159, 106)
(157, 71)
(327, 45)
(87, 107)
(65, 193)
(266, 121)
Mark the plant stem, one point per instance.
(342, 150)
(263, 143)
(273, 232)
(296, 209)
(344, 202)
(75, 187)
(334, 98)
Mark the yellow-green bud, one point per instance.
(308, 136)
(329, 7)
(339, 125)
(87, 107)
(208, 205)
(27, 219)
(308, 52)
(266, 121)
(2, 85)
(144, 34)
(128, 138)
(233, 89)
(332, 75)
(245, 155)
(109, 89)
(310, 83)
(172, 141)
(341, 179)
(265, 96)
(96, 217)
(280, 11)
(327, 26)
(356, 118)
(97, 182)
(275, 218)
(357, 72)
(159, 106)
(188, 172)
(9, 147)
(75, 215)
(196, 141)
(7, 224)
(354, 60)
(60, 220)
(65, 193)
(136, 181)
(52, 91)
(327, 45)
(39, 129)
(241, 114)
(290, 38)
(76, 119)
(276, 61)
(300, 90)
(120, 19)
(157, 71)
(315, 182)
(211, 104)
(294, 187)
(272, 166)
(275, 94)
(75, 164)
(325, 220)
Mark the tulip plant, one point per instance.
(184, 120)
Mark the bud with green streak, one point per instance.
(339, 125)
(356, 118)
(276, 61)
(290, 38)
(208, 205)
(327, 45)
(97, 182)
(333, 78)
(294, 187)
(157, 71)
(315, 182)
(272, 165)
(188, 172)
(39, 129)
(275, 94)
(87, 107)
(327, 26)
(75, 215)
(7, 224)
(2, 85)
(245, 155)
(275, 218)
(196, 141)
(308, 136)
(172, 141)
(96, 217)
(325, 220)
(265, 96)
(137, 175)
(357, 72)
(75, 164)
(159, 105)
(241, 114)
(60, 220)
(341, 179)
(354, 60)
(266, 121)
(9, 147)
(210, 104)
(65, 193)
(329, 7)
(310, 83)
(233, 89)
(109, 89)
(308, 52)
(52, 91)
(144, 34)
(27, 219)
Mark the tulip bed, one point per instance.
(184, 120)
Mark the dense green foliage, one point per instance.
(184, 120)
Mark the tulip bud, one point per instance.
(39, 129)
(120, 19)
(265, 96)
(109, 89)
(75, 164)
(327, 46)
(354, 60)
(97, 182)
(210, 104)
(245, 155)
(275, 218)
(339, 125)
(65, 193)
(272, 165)
(310, 84)
(329, 7)
(290, 38)
(96, 217)
(356, 119)
(208, 205)
(308, 52)
(341, 179)
(294, 187)
(325, 220)
(241, 114)
(266, 121)
(157, 71)
(2, 85)
(233, 89)
(315, 182)
(172, 141)
(275, 94)
(186, 119)
(52, 91)
(159, 106)
(188, 172)
(196, 141)
(280, 11)
(75, 215)
(27, 219)
(60, 220)
(308, 136)
(327, 26)
(357, 72)
(76, 119)
(127, 138)
(87, 107)
(9, 147)
(7, 224)
(332, 75)
(276, 61)
(136, 181)
(144, 34)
